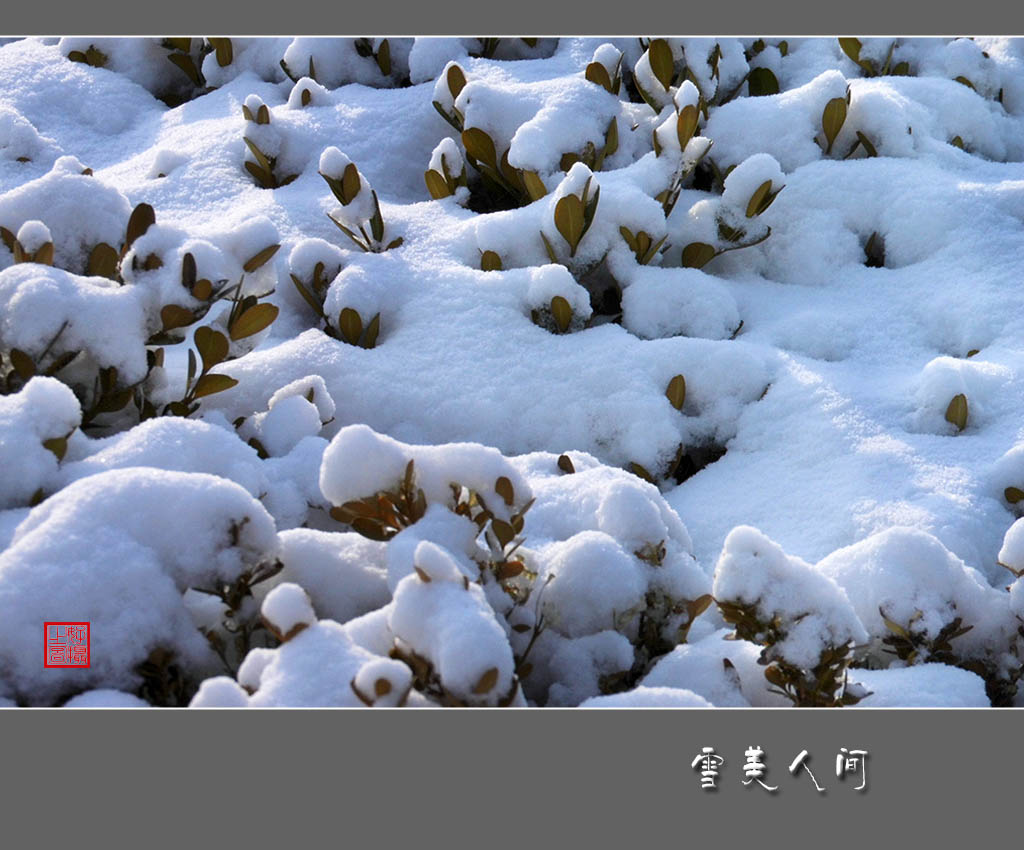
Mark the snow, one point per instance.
(287, 610)
(811, 473)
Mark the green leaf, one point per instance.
(641, 472)
(103, 261)
(436, 185)
(142, 218)
(548, 248)
(503, 531)
(212, 346)
(503, 487)
(487, 682)
(535, 187)
(257, 260)
(562, 312)
(253, 320)
(761, 82)
(174, 316)
(569, 221)
(676, 392)
(350, 184)
(597, 73)
(372, 330)
(686, 125)
(832, 119)
(212, 383)
(1013, 495)
(351, 325)
(480, 146)
(659, 54)
(186, 64)
(22, 363)
(57, 445)
(490, 261)
(307, 296)
(456, 80)
(383, 58)
(851, 47)
(866, 142)
(754, 205)
(224, 51)
(696, 255)
(957, 411)
(261, 157)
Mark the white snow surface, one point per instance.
(846, 495)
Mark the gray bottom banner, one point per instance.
(529, 777)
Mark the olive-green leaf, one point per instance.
(659, 54)
(490, 261)
(225, 52)
(141, 219)
(641, 472)
(257, 260)
(57, 445)
(548, 248)
(372, 330)
(350, 184)
(103, 261)
(754, 205)
(503, 487)
(676, 392)
(174, 316)
(851, 47)
(384, 58)
(486, 682)
(22, 363)
(480, 146)
(186, 64)
(686, 125)
(761, 82)
(535, 187)
(212, 383)
(253, 320)
(212, 346)
(957, 411)
(597, 73)
(832, 119)
(307, 296)
(696, 255)
(436, 185)
(866, 142)
(456, 80)
(569, 221)
(351, 325)
(1013, 495)
(562, 312)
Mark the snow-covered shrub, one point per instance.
(920, 603)
(611, 579)
(264, 144)
(359, 205)
(167, 67)
(334, 62)
(801, 618)
(35, 424)
(83, 554)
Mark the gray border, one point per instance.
(529, 777)
(523, 17)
